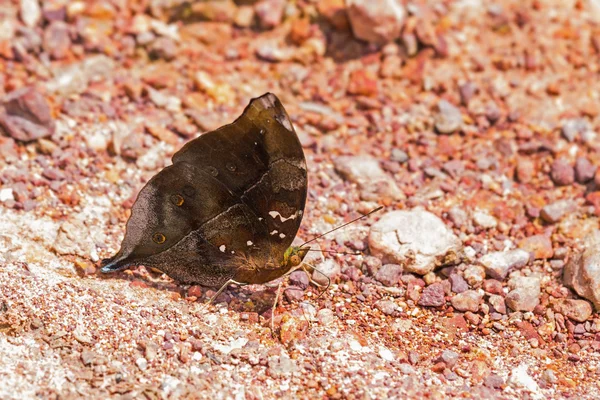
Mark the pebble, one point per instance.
(433, 296)
(57, 42)
(584, 170)
(325, 316)
(492, 286)
(327, 269)
(164, 48)
(525, 293)
(458, 283)
(525, 170)
(269, 13)
(484, 220)
(399, 155)
(497, 302)
(448, 119)
(387, 307)
(371, 179)
(299, 279)
(376, 21)
(554, 212)
(582, 272)
(474, 275)
(573, 128)
(539, 245)
(450, 358)
(498, 264)
(27, 115)
(31, 12)
(280, 366)
(389, 274)
(293, 294)
(142, 363)
(577, 310)
(467, 301)
(562, 173)
(404, 237)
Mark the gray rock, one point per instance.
(467, 301)
(450, 358)
(474, 275)
(399, 156)
(433, 296)
(299, 279)
(554, 212)
(497, 302)
(562, 173)
(74, 78)
(525, 293)
(582, 272)
(376, 21)
(405, 238)
(387, 307)
(458, 216)
(371, 179)
(325, 316)
(498, 264)
(389, 274)
(448, 119)
(74, 238)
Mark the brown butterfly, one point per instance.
(228, 208)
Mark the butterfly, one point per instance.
(228, 208)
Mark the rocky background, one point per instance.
(475, 122)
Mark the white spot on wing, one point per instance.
(275, 214)
(282, 235)
(222, 248)
(249, 243)
(273, 233)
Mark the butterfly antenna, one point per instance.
(340, 253)
(341, 226)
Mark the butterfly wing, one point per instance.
(233, 194)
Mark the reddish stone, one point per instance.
(195, 291)
(539, 245)
(362, 82)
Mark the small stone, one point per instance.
(474, 275)
(164, 48)
(494, 381)
(389, 274)
(281, 366)
(371, 179)
(525, 293)
(492, 286)
(194, 291)
(325, 316)
(554, 212)
(450, 358)
(562, 173)
(448, 119)
(376, 21)
(26, 115)
(6, 194)
(458, 216)
(484, 219)
(467, 301)
(269, 13)
(433, 296)
(327, 270)
(293, 294)
(399, 156)
(458, 283)
(539, 245)
(497, 302)
(299, 279)
(404, 237)
(584, 170)
(31, 12)
(577, 310)
(467, 91)
(582, 272)
(141, 363)
(386, 306)
(573, 128)
(57, 42)
(362, 82)
(525, 170)
(498, 264)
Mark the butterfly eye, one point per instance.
(177, 200)
(295, 260)
(159, 238)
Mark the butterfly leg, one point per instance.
(275, 307)
(311, 280)
(221, 291)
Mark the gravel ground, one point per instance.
(474, 123)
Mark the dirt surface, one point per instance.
(474, 123)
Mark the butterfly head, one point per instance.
(294, 256)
